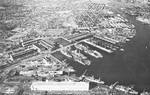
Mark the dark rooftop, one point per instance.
(23, 54)
(48, 42)
(75, 37)
(40, 46)
(31, 42)
(27, 40)
(62, 41)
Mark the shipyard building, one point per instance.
(60, 86)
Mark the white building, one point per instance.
(60, 86)
(27, 73)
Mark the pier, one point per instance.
(78, 37)
(99, 47)
(112, 41)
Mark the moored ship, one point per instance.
(92, 79)
(126, 89)
(87, 62)
(77, 53)
(82, 61)
(93, 53)
(66, 53)
(98, 54)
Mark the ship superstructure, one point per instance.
(66, 53)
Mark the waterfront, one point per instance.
(128, 67)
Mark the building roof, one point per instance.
(31, 42)
(23, 54)
(39, 46)
(40, 83)
(47, 42)
(75, 37)
(62, 41)
(27, 40)
(60, 86)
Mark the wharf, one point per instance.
(107, 39)
(102, 48)
(78, 37)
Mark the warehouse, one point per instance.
(25, 54)
(62, 42)
(60, 86)
(39, 47)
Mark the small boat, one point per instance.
(87, 62)
(133, 92)
(146, 47)
(127, 39)
(122, 49)
(98, 54)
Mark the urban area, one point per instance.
(37, 42)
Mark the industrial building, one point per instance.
(62, 42)
(30, 42)
(78, 37)
(23, 55)
(31, 48)
(47, 43)
(60, 86)
(39, 47)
